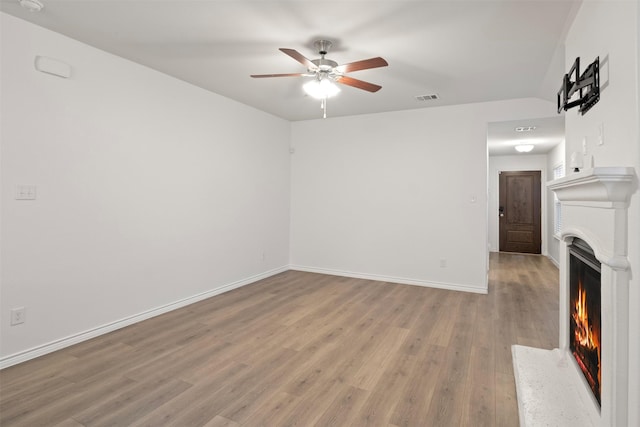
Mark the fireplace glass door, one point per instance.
(584, 312)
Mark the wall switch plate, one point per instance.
(584, 145)
(25, 192)
(601, 133)
(18, 316)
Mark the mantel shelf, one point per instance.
(604, 186)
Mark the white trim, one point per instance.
(61, 343)
(391, 279)
(553, 261)
(604, 255)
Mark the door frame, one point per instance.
(495, 204)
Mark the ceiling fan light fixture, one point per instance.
(524, 148)
(327, 72)
(321, 89)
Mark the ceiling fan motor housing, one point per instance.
(322, 46)
(324, 64)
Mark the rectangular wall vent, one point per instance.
(427, 97)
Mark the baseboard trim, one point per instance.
(391, 279)
(553, 261)
(41, 350)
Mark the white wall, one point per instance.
(610, 29)
(149, 190)
(634, 252)
(389, 195)
(555, 158)
(524, 162)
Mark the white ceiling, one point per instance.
(465, 51)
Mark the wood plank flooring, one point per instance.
(303, 349)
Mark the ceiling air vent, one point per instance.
(431, 97)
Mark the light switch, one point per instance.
(601, 133)
(25, 192)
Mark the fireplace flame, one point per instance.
(584, 331)
(584, 334)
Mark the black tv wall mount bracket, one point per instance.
(586, 84)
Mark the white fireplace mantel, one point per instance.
(594, 209)
(607, 187)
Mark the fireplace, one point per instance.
(571, 385)
(584, 313)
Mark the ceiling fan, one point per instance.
(326, 72)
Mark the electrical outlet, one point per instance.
(18, 316)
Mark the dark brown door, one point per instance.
(519, 212)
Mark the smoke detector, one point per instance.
(32, 5)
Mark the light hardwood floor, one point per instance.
(303, 349)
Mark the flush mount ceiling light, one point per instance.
(524, 148)
(32, 5)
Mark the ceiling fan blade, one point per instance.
(350, 81)
(362, 65)
(300, 58)
(259, 76)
